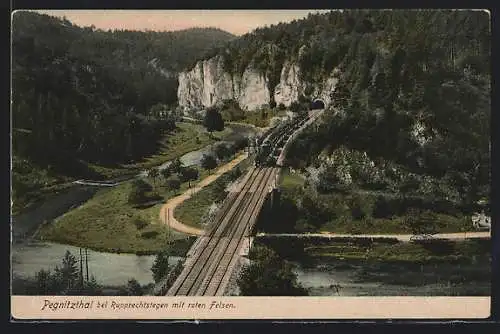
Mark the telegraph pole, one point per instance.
(248, 233)
(87, 262)
(81, 267)
(167, 220)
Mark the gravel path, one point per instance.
(167, 210)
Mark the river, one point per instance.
(109, 269)
(30, 256)
(388, 279)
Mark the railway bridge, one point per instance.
(212, 259)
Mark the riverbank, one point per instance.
(107, 222)
(396, 237)
(385, 250)
(45, 186)
(111, 271)
(388, 268)
(103, 211)
(359, 278)
(187, 138)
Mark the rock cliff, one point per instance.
(208, 84)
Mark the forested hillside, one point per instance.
(413, 93)
(354, 39)
(413, 86)
(83, 95)
(412, 98)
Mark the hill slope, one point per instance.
(83, 95)
(408, 87)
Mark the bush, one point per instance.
(383, 208)
(139, 223)
(208, 162)
(361, 207)
(295, 106)
(149, 234)
(235, 173)
(222, 151)
(240, 143)
(268, 275)
(160, 267)
(153, 196)
(421, 222)
(136, 196)
(302, 226)
(188, 174)
(176, 166)
(173, 184)
(142, 185)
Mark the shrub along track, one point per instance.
(208, 269)
(167, 210)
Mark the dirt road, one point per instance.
(167, 210)
(400, 237)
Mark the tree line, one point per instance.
(81, 94)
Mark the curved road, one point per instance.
(167, 210)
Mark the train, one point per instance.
(271, 143)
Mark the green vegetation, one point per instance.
(208, 162)
(289, 181)
(70, 278)
(32, 184)
(213, 120)
(193, 211)
(186, 138)
(372, 251)
(414, 90)
(302, 209)
(114, 219)
(66, 279)
(160, 266)
(107, 222)
(416, 252)
(268, 275)
(231, 112)
(86, 101)
(413, 96)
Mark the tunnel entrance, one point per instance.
(318, 104)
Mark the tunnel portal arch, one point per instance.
(318, 104)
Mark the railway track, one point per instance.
(210, 265)
(208, 269)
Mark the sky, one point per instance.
(237, 22)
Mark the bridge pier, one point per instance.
(274, 198)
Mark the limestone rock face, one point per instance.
(290, 86)
(208, 84)
(205, 85)
(254, 91)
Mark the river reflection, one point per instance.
(381, 279)
(109, 269)
(29, 257)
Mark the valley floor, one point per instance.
(168, 209)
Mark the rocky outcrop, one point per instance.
(208, 84)
(290, 86)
